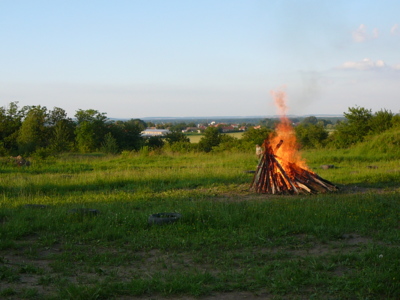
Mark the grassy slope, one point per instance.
(343, 245)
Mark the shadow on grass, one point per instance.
(155, 185)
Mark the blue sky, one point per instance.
(135, 59)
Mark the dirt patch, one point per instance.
(354, 189)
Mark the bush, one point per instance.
(109, 144)
(183, 147)
(42, 153)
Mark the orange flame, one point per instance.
(289, 150)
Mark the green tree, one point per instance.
(396, 121)
(61, 131)
(269, 123)
(91, 125)
(180, 126)
(211, 138)
(85, 140)
(176, 136)
(128, 133)
(62, 137)
(140, 124)
(256, 136)
(33, 133)
(227, 143)
(109, 144)
(354, 129)
(311, 135)
(154, 143)
(10, 122)
(381, 121)
(310, 120)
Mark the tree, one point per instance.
(256, 136)
(56, 115)
(180, 126)
(127, 133)
(91, 125)
(109, 144)
(270, 123)
(354, 129)
(227, 143)
(211, 138)
(311, 135)
(381, 121)
(140, 124)
(90, 115)
(396, 121)
(33, 133)
(150, 124)
(310, 120)
(85, 140)
(61, 130)
(10, 122)
(176, 136)
(154, 143)
(62, 136)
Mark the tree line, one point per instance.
(35, 130)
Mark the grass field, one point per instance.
(77, 228)
(195, 138)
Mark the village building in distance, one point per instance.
(150, 132)
(225, 128)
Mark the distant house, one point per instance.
(228, 129)
(190, 129)
(150, 132)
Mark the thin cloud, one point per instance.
(395, 29)
(360, 34)
(375, 33)
(365, 64)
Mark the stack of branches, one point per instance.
(271, 178)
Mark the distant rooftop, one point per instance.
(149, 132)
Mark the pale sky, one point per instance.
(182, 58)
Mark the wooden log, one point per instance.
(311, 185)
(284, 173)
(270, 176)
(316, 182)
(330, 184)
(285, 185)
(278, 145)
(303, 187)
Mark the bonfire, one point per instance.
(281, 169)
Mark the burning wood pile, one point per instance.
(276, 176)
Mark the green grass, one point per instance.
(195, 137)
(341, 245)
